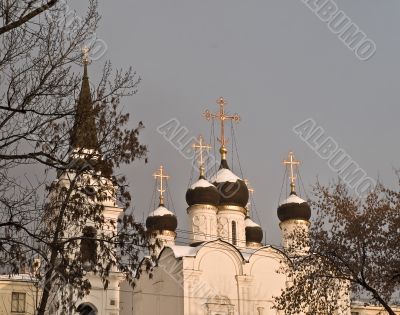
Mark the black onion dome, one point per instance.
(294, 208)
(202, 192)
(254, 232)
(161, 219)
(232, 190)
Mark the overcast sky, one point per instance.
(277, 64)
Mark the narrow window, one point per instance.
(234, 233)
(88, 248)
(18, 302)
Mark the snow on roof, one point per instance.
(190, 251)
(225, 175)
(184, 251)
(18, 277)
(201, 183)
(250, 223)
(292, 199)
(160, 211)
(247, 253)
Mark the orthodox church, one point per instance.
(224, 269)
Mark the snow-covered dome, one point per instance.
(254, 233)
(161, 219)
(294, 208)
(232, 190)
(202, 192)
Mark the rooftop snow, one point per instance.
(250, 223)
(201, 183)
(225, 175)
(292, 199)
(160, 211)
(184, 251)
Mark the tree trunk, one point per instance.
(54, 252)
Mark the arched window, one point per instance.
(88, 247)
(86, 309)
(234, 242)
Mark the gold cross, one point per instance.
(85, 55)
(199, 146)
(221, 116)
(292, 163)
(160, 175)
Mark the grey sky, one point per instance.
(276, 64)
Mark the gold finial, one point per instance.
(85, 55)
(221, 116)
(160, 175)
(200, 146)
(292, 164)
(251, 192)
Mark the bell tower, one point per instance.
(90, 177)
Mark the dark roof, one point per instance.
(294, 211)
(231, 193)
(160, 223)
(202, 195)
(84, 132)
(254, 234)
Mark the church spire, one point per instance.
(84, 132)
(222, 116)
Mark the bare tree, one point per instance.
(354, 249)
(60, 145)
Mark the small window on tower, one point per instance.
(88, 248)
(234, 242)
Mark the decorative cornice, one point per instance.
(201, 207)
(232, 208)
(295, 222)
(253, 245)
(165, 233)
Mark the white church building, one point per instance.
(224, 269)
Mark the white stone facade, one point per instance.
(212, 278)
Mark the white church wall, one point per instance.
(225, 219)
(105, 302)
(212, 280)
(162, 293)
(267, 282)
(202, 222)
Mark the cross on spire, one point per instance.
(161, 176)
(292, 163)
(221, 116)
(200, 147)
